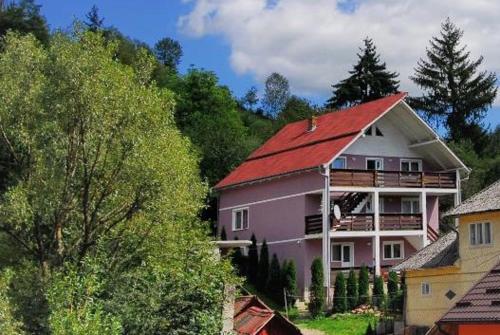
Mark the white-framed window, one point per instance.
(480, 233)
(339, 163)
(344, 253)
(374, 163)
(425, 288)
(393, 250)
(240, 219)
(411, 165)
(410, 205)
(381, 204)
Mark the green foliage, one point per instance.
(263, 268)
(363, 285)
(289, 278)
(274, 284)
(169, 52)
(95, 22)
(253, 261)
(352, 291)
(393, 290)
(378, 292)
(339, 294)
(368, 80)
(370, 330)
(9, 325)
(456, 95)
(276, 94)
(223, 235)
(317, 292)
(295, 109)
(24, 17)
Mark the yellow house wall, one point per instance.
(473, 263)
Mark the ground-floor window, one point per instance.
(393, 250)
(344, 253)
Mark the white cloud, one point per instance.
(314, 42)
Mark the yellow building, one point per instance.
(440, 274)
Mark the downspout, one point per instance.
(325, 172)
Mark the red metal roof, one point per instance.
(252, 319)
(294, 148)
(480, 304)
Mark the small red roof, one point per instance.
(294, 148)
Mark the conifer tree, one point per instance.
(253, 261)
(317, 292)
(274, 284)
(378, 292)
(339, 294)
(289, 278)
(223, 235)
(263, 274)
(392, 290)
(363, 285)
(95, 22)
(456, 95)
(369, 80)
(352, 291)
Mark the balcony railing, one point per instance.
(379, 178)
(365, 222)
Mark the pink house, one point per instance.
(378, 163)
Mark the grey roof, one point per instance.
(442, 252)
(483, 201)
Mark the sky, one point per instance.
(312, 42)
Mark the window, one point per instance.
(393, 250)
(426, 288)
(369, 205)
(374, 164)
(480, 233)
(378, 132)
(344, 253)
(373, 131)
(240, 219)
(339, 163)
(410, 205)
(411, 165)
(336, 252)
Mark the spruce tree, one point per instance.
(392, 290)
(239, 261)
(352, 291)
(339, 294)
(378, 292)
(95, 22)
(456, 95)
(317, 292)
(223, 235)
(369, 80)
(274, 284)
(263, 274)
(253, 261)
(363, 285)
(289, 278)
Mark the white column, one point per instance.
(423, 209)
(458, 195)
(326, 229)
(376, 239)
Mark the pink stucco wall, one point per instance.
(433, 212)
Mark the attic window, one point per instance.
(368, 132)
(378, 132)
(463, 304)
(373, 131)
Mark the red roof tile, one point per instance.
(294, 148)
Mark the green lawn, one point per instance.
(344, 324)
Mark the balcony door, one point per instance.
(410, 205)
(343, 253)
(374, 163)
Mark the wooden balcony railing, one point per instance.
(365, 222)
(378, 178)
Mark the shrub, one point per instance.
(363, 285)
(289, 278)
(223, 235)
(393, 290)
(378, 292)
(263, 274)
(316, 290)
(253, 261)
(8, 324)
(274, 286)
(339, 295)
(352, 291)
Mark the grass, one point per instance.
(342, 324)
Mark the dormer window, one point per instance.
(373, 131)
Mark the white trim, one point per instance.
(419, 144)
(384, 190)
(410, 160)
(271, 199)
(283, 241)
(380, 159)
(401, 250)
(233, 218)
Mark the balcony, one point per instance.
(380, 178)
(365, 222)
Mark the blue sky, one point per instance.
(242, 41)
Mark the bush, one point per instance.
(289, 278)
(339, 295)
(378, 292)
(274, 288)
(223, 235)
(370, 330)
(316, 290)
(352, 291)
(364, 285)
(393, 290)
(253, 261)
(8, 324)
(263, 274)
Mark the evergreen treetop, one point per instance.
(363, 285)
(253, 260)
(263, 274)
(289, 273)
(274, 284)
(339, 294)
(317, 292)
(352, 291)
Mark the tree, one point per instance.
(369, 80)
(317, 292)
(24, 17)
(250, 99)
(295, 109)
(8, 323)
(393, 290)
(378, 292)
(456, 95)
(363, 285)
(239, 261)
(352, 291)
(263, 274)
(276, 94)
(289, 278)
(339, 294)
(370, 330)
(253, 261)
(95, 22)
(169, 52)
(274, 285)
